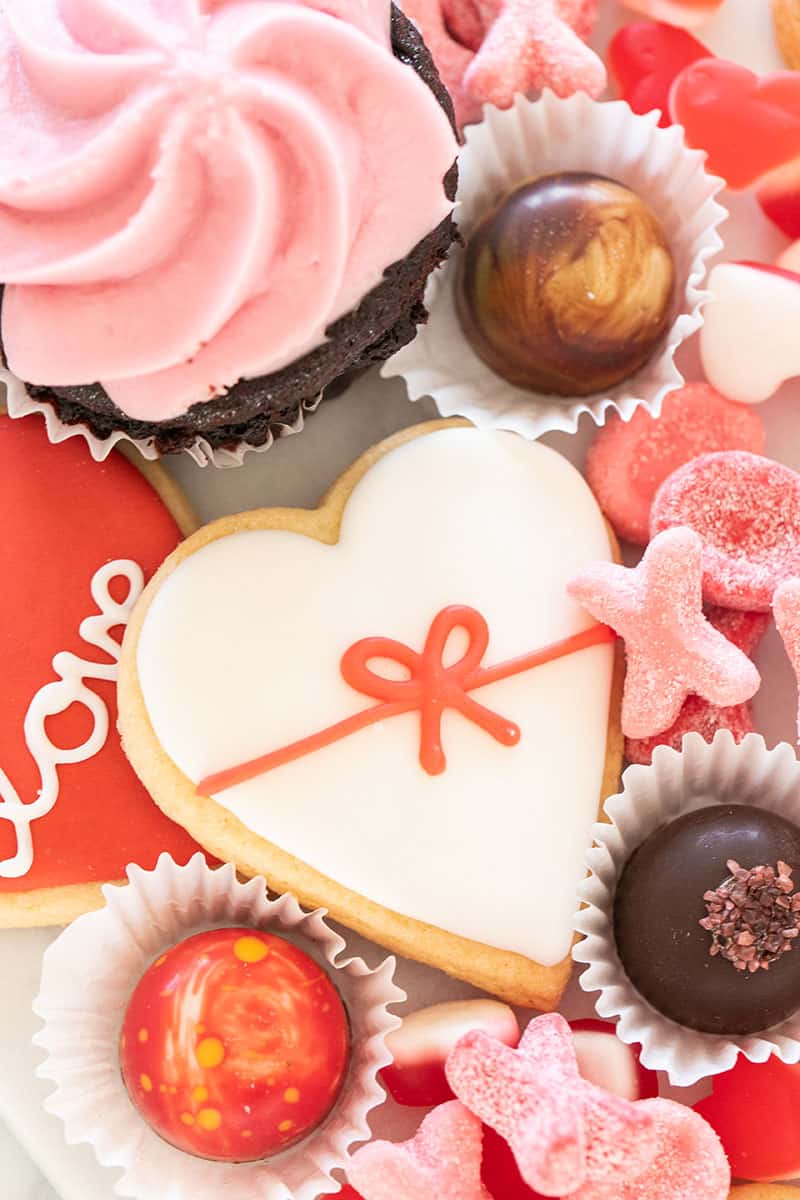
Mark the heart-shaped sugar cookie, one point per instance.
(79, 540)
(398, 711)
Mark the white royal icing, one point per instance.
(239, 655)
(56, 697)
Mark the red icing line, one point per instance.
(430, 689)
(768, 269)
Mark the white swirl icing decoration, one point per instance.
(191, 191)
(56, 697)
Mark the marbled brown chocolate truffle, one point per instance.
(566, 286)
(659, 905)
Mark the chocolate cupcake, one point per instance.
(210, 220)
(691, 917)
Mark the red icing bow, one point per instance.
(431, 687)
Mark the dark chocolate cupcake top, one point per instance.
(202, 198)
(705, 919)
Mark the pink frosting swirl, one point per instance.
(191, 191)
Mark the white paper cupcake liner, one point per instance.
(88, 976)
(20, 404)
(537, 138)
(702, 774)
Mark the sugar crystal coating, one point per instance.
(489, 50)
(746, 510)
(672, 650)
(562, 1130)
(745, 630)
(690, 1163)
(629, 460)
(443, 1160)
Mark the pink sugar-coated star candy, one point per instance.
(686, 13)
(442, 1161)
(786, 609)
(672, 651)
(689, 1164)
(562, 1130)
(745, 630)
(629, 460)
(746, 510)
(533, 44)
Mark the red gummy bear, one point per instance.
(755, 1110)
(646, 57)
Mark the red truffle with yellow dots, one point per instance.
(235, 1045)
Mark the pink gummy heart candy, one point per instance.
(629, 460)
(748, 125)
(746, 511)
(443, 1160)
(688, 13)
(672, 651)
(745, 630)
(646, 57)
(562, 1130)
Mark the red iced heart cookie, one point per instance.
(748, 125)
(646, 57)
(755, 1110)
(72, 819)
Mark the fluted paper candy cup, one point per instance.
(88, 975)
(699, 775)
(536, 138)
(20, 403)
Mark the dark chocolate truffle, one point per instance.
(660, 903)
(566, 287)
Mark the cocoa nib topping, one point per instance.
(753, 917)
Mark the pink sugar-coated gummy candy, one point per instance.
(562, 1130)
(645, 58)
(629, 460)
(746, 510)
(749, 125)
(745, 630)
(672, 651)
(443, 1160)
(748, 342)
(786, 609)
(421, 1045)
(687, 13)
(690, 1163)
(532, 44)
